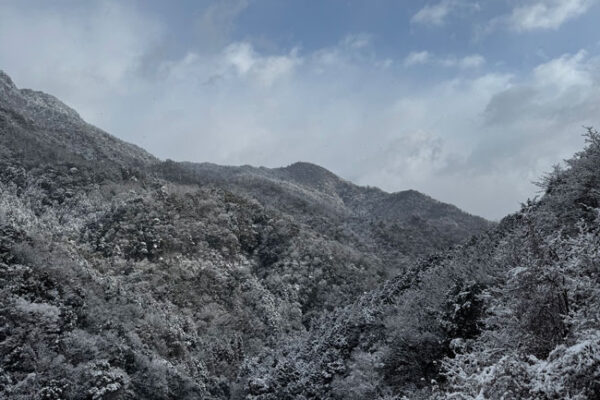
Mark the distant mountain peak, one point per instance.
(307, 170)
(305, 167)
(304, 164)
(410, 193)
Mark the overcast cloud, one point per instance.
(468, 121)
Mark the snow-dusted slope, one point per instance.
(36, 124)
(125, 277)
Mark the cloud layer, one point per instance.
(475, 137)
(547, 14)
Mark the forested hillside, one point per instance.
(126, 277)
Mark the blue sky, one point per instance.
(466, 101)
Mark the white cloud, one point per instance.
(559, 92)
(434, 14)
(437, 14)
(543, 114)
(417, 57)
(357, 41)
(425, 57)
(266, 69)
(547, 14)
(565, 72)
(472, 61)
(467, 62)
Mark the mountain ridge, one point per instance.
(41, 106)
(125, 276)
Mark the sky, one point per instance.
(469, 102)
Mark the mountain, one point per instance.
(398, 226)
(123, 277)
(38, 128)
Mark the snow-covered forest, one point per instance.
(126, 277)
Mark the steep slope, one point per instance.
(125, 277)
(37, 127)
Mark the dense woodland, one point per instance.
(126, 277)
